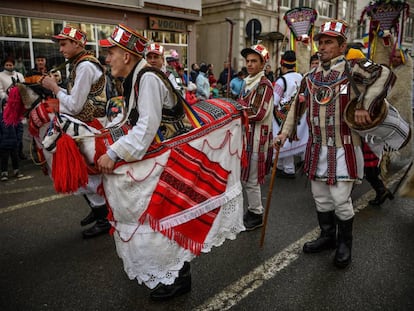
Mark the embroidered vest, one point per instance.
(95, 104)
(174, 120)
(259, 132)
(327, 97)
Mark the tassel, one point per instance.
(14, 109)
(69, 169)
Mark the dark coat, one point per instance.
(9, 135)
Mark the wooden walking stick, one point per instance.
(269, 194)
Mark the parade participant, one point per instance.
(257, 97)
(126, 60)
(84, 99)
(154, 55)
(372, 163)
(159, 256)
(334, 158)
(171, 69)
(285, 88)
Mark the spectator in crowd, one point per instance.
(190, 95)
(194, 72)
(210, 74)
(182, 74)
(7, 79)
(10, 136)
(40, 69)
(237, 84)
(9, 142)
(203, 86)
(20, 66)
(269, 73)
(214, 91)
(224, 75)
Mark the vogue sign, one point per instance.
(158, 23)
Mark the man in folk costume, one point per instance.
(257, 97)
(84, 99)
(154, 55)
(334, 159)
(372, 167)
(287, 85)
(149, 254)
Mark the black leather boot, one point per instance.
(91, 216)
(382, 193)
(381, 196)
(252, 221)
(88, 219)
(343, 252)
(327, 238)
(181, 285)
(101, 226)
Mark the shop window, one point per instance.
(104, 31)
(42, 28)
(19, 50)
(51, 51)
(13, 27)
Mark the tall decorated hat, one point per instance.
(154, 48)
(258, 49)
(71, 33)
(333, 28)
(127, 39)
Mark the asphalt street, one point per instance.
(46, 265)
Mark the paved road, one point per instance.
(46, 265)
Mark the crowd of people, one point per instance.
(290, 114)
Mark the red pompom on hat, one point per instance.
(127, 39)
(71, 33)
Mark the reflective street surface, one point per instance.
(46, 265)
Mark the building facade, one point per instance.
(264, 18)
(26, 26)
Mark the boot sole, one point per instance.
(307, 251)
(181, 291)
(341, 265)
(253, 228)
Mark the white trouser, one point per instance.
(287, 164)
(334, 198)
(91, 189)
(253, 192)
